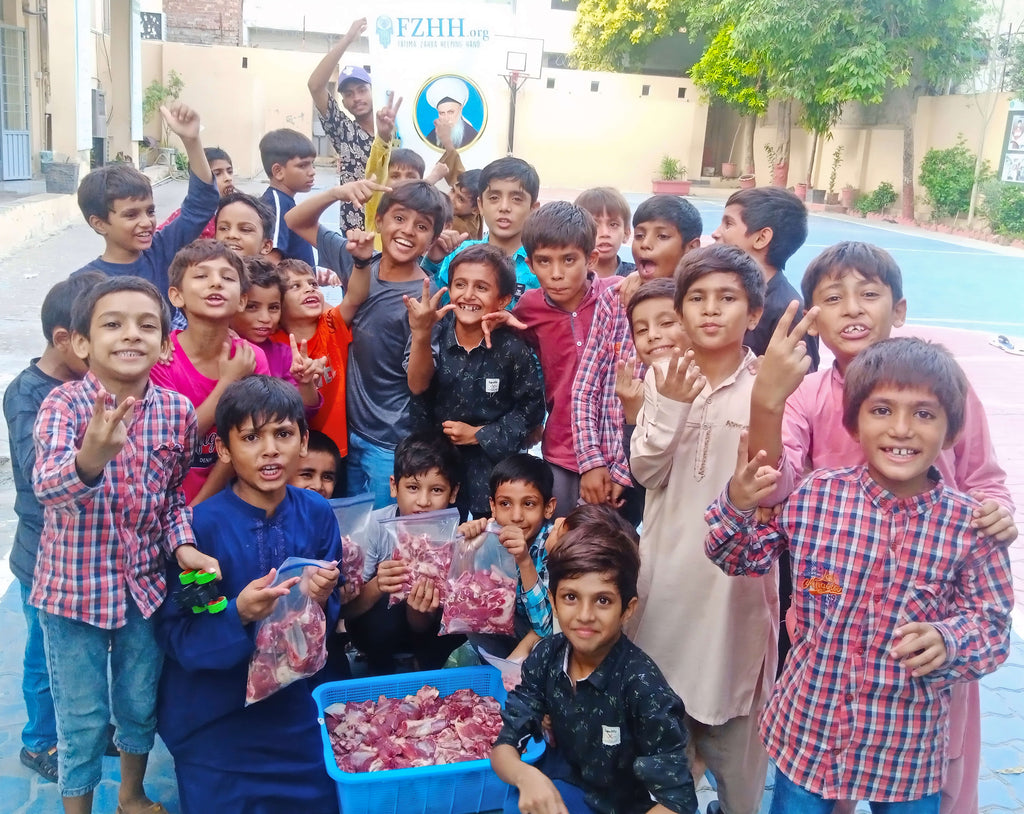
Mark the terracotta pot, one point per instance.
(747, 182)
(781, 175)
(680, 187)
(801, 191)
(728, 169)
(847, 196)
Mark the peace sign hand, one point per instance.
(424, 313)
(386, 117)
(785, 360)
(304, 369)
(104, 437)
(681, 380)
(753, 479)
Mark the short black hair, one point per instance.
(403, 157)
(265, 213)
(418, 453)
(60, 300)
(281, 146)
(261, 399)
(906, 362)
(216, 154)
(781, 211)
(720, 257)
(672, 209)
(560, 224)
(321, 442)
(470, 181)
(524, 468)
(105, 185)
(511, 169)
(420, 197)
(873, 262)
(488, 255)
(611, 547)
(261, 272)
(82, 309)
(658, 288)
(199, 251)
(604, 200)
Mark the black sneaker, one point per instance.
(714, 807)
(44, 764)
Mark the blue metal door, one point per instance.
(15, 146)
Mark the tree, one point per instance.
(611, 35)
(157, 94)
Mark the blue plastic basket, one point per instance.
(453, 788)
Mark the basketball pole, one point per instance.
(512, 80)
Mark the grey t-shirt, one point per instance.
(332, 254)
(377, 388)
(378, 544)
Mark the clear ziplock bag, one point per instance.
(353, 516)
(424, 543)
(481, 595)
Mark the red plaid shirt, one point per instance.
(105, 543)
(846, 720)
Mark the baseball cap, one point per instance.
(352, 72)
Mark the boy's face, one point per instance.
(562, 273)
(732, 231)
(264, 458)
(657, 248)
(518, 503)
(399, 174)
(428, 491)
(590, 613)
(856, 312)
(297, 174)
(405, 234)
(261, 315)
(716, 313)
(129, 224)
(473, 291)
(657, 330)
(239, 226)
(211, 290)
(505, 206)
(224, 175)
(901, 432)
(612, 233)
(356, 98)
(125, 338)
(463, 202)
(318, 471)
(302, 298)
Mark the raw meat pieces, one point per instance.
(418, 730)
(352, 560)
(480, 602)
(426, 558)
(287, 648)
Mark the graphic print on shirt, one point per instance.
(205, 454)
(819, 581)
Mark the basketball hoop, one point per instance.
(515, 79)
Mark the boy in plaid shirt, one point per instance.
(896, 595)
(112, 451)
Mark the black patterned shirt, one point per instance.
(352, 144)
(620, 730)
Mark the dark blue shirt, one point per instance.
(284, 239)
(779, 294)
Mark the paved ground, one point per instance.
(960, 292)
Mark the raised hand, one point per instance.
(424, 313)
(785, 359)
(104, 437)
(181, 119)
(360, 243)
(753, 479)
(447, 242)
(304, 369)
(681, 380)
(443, 130)
(358, 192)
(488, 322)
(232, 368)
(257, 599)
(629, 388)
(386, 117)
(437, 173)
(356, 29)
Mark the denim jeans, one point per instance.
(369, 469)
(78, 654)
(553, 765)
(789, 798)
(40, 733)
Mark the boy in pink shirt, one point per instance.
(208, 282)
(856, 293)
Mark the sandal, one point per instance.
(44, 763)
(156, 808)
(1004, 344)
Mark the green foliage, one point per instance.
(948, 176)
(774, 156)
(1004, 208)
(837, 159)
(157, 94)
(879, 200)
(727, 75)
(1013, 80)
(181, 161)
(670, 169)
(610, 35)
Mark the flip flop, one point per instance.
(156, 808)
(1004, 344)
(44, 764)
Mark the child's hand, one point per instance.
(785, 359)
(304, 369)
(322, 583)
(460, 433)
(424, 596)
(537, 794)
(629, 388)
(993, 520)
(258, 598)
(424, 313)
(386, 117)
(241, 364)
(753, 480)
(358, 192)
(326, 277)
(443, 130)
(473, 528)
(355, 31)
(348, 592)
(919, 647)
(392, 576)
(514, 540)
(765, 514)
(437, 173)
(166, 355)
(181, 119)
(191, 558)
(447, 242)
(627, 288)
(104, 436)
(360, 243)
(597, 486)
(488, 322)
(681, 380)
(558, 531)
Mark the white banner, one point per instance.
(443, 66)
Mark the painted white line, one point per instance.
(895, 228)
(942, 321)
(7, 576)
(894, 249)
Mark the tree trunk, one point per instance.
(747, 158)
(814, 152)
(782, 138)
(908, 168)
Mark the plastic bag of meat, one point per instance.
(481, 595)
(291, 643)
(353, 516)
(424, 543)
(511, 671)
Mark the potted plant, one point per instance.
(155, 96)
(837, 159)
(747, 181)
(800, 189)
(728, 169)
(848, 195)
(670, 179)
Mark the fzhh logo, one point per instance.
(385, 30)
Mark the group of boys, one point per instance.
(444, 360)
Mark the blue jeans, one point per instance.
(78, 654)
(789, 798)
(40, 733)
(553, 764)
(370, 468)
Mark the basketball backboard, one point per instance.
(517, 55)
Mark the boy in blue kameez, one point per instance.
(266, 757)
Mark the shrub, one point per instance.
(879, 200)
(670, 169)
(948, 176)
(1004, 208)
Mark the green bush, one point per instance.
(948, 176)
(1004, 208)
(879, 200)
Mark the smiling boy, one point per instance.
(245, 224)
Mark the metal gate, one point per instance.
(15, 145)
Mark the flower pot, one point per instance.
(780, 175)
(747, 182)
(832, 199)
(728, 169)
(677, 187)
(801, 191)
(847, 196)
